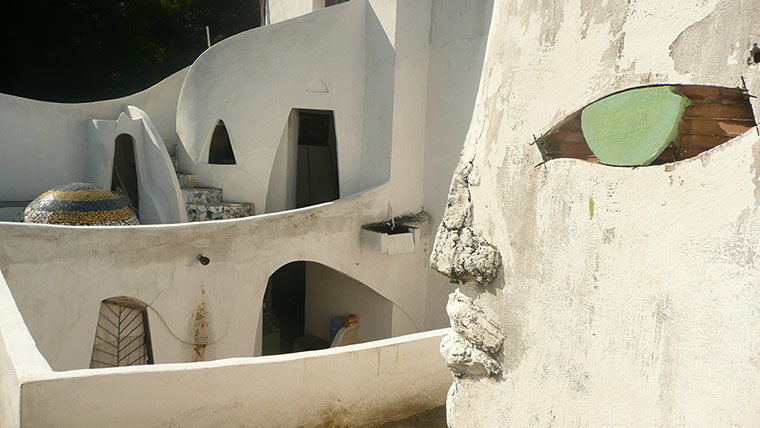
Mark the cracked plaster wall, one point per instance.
(644, 313)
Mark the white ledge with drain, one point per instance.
(389, 239)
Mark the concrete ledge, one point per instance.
(355, 385)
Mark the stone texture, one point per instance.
(202, 195)
(219, 211)
(460, 251)
(463, 358)
(185, 180)
(471, 323)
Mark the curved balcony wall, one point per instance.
(356, 385)
(161, 266)
(334, 59)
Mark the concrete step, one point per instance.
(202, 195)
(175, 161)
(219, 211)
(185, 180)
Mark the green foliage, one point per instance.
(85, 50)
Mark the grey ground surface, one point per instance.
(435, 418)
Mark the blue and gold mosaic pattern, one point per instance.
(79, 204)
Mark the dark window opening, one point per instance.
(124, 176)
(317, 164)
(220, 152)
(329, 3)
(122, 337)
(713, 116)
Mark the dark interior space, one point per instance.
(284, 309)
(124, 175)
(317, 165)
(220, 152)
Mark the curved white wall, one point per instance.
(626, 296)
(60, 274)
(281, 10)
(354, 385)
(254, 79)
(44, 144)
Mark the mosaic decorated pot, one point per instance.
(80, 204)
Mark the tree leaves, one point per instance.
(87, 50)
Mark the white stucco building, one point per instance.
(307, 137)
(595, 253)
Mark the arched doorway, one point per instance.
(122, 337)
(317, 165)
(124, 176)
(305, 168)
(307, 303)
(220, 151)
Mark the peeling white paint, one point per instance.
(642, 314)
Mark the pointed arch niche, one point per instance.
(124, 180)
(220, 150)
(305, 169)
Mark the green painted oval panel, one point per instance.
(632, 128)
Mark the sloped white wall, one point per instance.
(19, 358)
(330, 293)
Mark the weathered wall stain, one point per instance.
(200, 327)
(645, 304)
(713, 42)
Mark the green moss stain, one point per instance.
(632, 128)
(590, 208)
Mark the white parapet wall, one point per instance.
(355, 385)
(20, 359)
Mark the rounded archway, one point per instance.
(309, 306)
